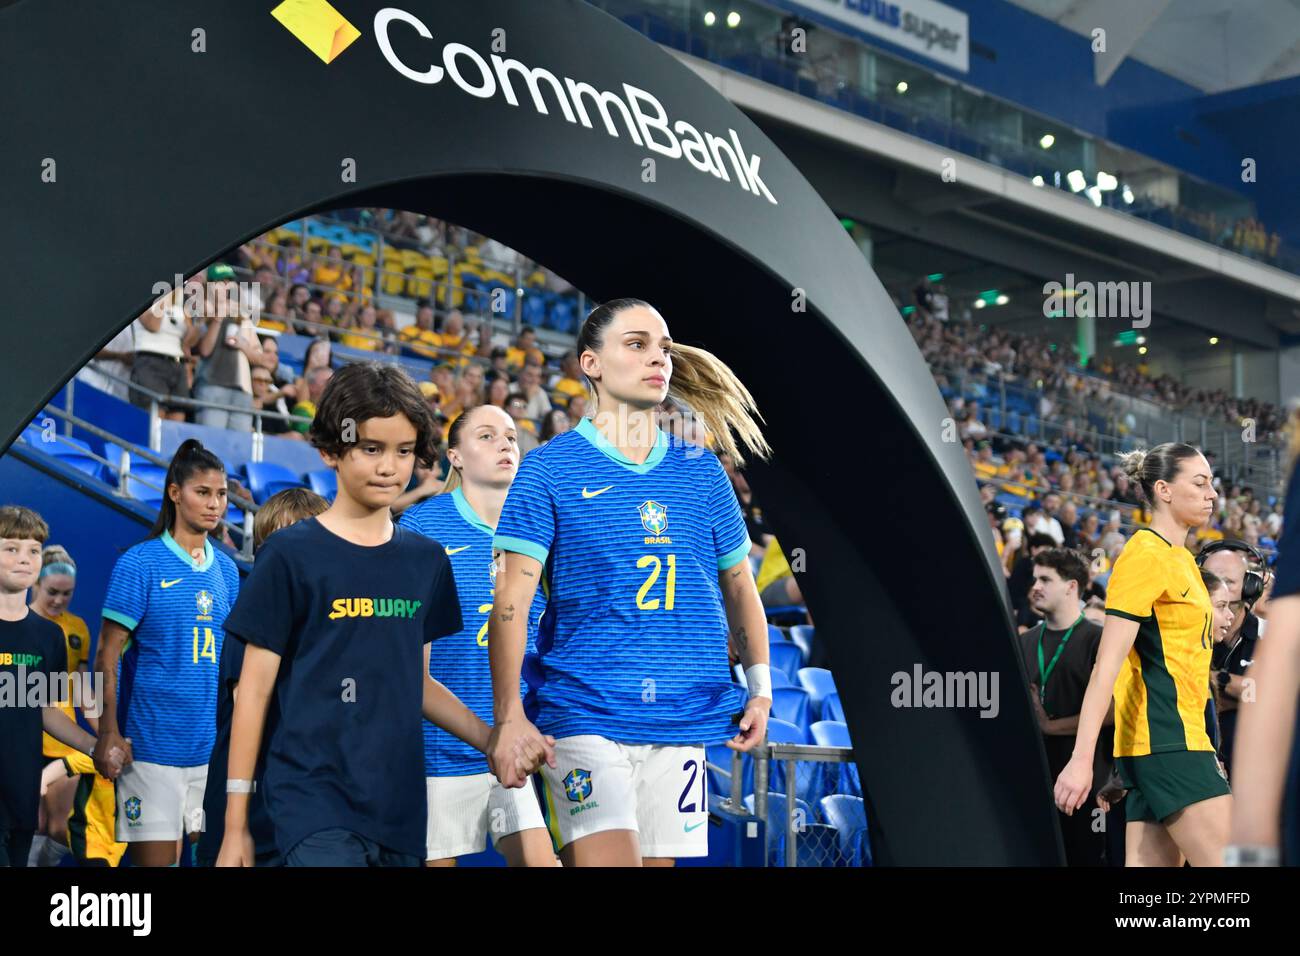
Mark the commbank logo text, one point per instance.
(638, 112)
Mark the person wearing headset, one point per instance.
(1243, 569)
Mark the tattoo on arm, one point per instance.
(527, 574)
(741, 639)
(736, 573)
(507, 615)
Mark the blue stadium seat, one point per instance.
(777, 822)
(775, 633)
(786, 656)
(793, 705)
(832, 709)
(849, 817)
(818, 682)
(265, 478)
(324, 482)
(720, 755)
(154, 474)
(831, 733)
(802, 634)
(65, 446)
(783, 732)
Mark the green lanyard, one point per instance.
(1044, 674)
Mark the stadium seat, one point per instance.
(324, 482)
(848, 815)
(775, 633)
(781, 679)
(142, 471)
(720, 756)
(832, 709)
(783, 732)
(777, 821)
(786, 656)
(818, 682)
(793, 705)
(830, 733)
(802, 634)
(265, 478)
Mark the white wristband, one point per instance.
(241, 786)
(759, 679)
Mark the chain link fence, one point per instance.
(809, 799)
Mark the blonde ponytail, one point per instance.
(713, 392)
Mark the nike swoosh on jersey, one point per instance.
(689, 826)
(599, 491)
(451, 551)
(1188, 588)
(168, 584)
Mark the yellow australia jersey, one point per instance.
(93, 822)
(1164, 683)
(773, 567)
(77, 640)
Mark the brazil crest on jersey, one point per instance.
(633, 643)
(460, 662)
(175, 610)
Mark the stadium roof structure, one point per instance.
(1213, 45)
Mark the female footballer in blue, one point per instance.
(643, 547)
(168, 596)
(465, 801)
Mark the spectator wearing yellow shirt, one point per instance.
(364, 334)
(775, 581)
(420, 337)
(517, 408)
(330, 272)
(50, 599)
(275, 313)
(984, 465)
(571, 381)
(525, 350)
(454, 338)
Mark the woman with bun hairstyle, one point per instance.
(1155, 657)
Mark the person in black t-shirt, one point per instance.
(32, 654)
(1059, 655)
(280, 510)
(337, 617)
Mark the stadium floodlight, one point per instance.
(1075, 178)
(1046, 140)
(1105, 181)
(1142, 350)
(1093, 193)
(1037, 180)
(733, 19)
(1127, 194)
(980, 303)
(901, 87)
(709, 18)
(1214, 340)
(1002, 299)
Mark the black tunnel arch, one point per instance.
(900, 572)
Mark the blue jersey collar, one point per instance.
(177, 550)
(469, 514)
(587, 429)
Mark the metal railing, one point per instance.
(125, 476)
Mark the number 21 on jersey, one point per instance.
(652, 562)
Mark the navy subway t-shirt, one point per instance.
(349, 623)
(28, 647)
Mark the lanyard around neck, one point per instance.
(1045, 672)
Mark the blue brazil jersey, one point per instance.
(175, 608)
(633, 643)
(460, 661)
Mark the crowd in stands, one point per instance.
(1093, 396)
